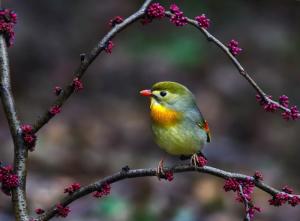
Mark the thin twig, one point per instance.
(152, 172)
(20, 151)
(235, 61)
(88, 59)
(246, 203)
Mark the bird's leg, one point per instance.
(198, 159)
(160, 169)
(194, 160)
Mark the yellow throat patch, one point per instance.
(163, 115)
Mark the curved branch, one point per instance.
(87, 60)
(234, 60)
(20, 151)
(91, 56)
(152, 172)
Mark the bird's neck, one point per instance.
(162, 115)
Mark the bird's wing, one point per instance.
(195, 115)
(204, 125)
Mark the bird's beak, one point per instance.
(146, 93)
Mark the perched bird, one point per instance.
(177, 123)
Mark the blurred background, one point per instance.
(106, 126)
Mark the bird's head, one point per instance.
(169, 94)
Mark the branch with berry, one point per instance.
(13, 179)
(232, 49)
(106, 44)
(242, 185)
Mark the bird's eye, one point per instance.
(163, 93)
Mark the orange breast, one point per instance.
(164, 116)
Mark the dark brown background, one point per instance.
(106, 126)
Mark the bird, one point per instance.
(178, 126)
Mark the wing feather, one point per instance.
(195, 115)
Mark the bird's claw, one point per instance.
(195, 160)
(160, 169)
(198, 160)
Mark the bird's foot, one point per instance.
(194, 160)
(160, 169)
(198, 160)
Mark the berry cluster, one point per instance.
(258, 176)
(169, 175)
(39, 211)
(252, 210)
(57, 90)
(234, 48)
(28, 136)
(8, 19)
(178, 17)
(155, 10)
(105, 191)
(201, 161)
(62, 211)
(116, 20)
(285, 197)
(55, 110)
(203, 21)
(109, 46)
(233, 184)
(8, 179)
(77, 84)
(268, 106)
(72, 188)
(291, 114)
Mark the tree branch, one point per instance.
(87, 60)
(234, 60)
(152, 172)
(91, 56)
(19, 194)
(20, 151)
(246, 203)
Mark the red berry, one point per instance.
(116, 20)
(233, 47)
(55, 110)
(109, 47)
(62, 211)
(105, 190)
(77, 84)
(203, 21)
